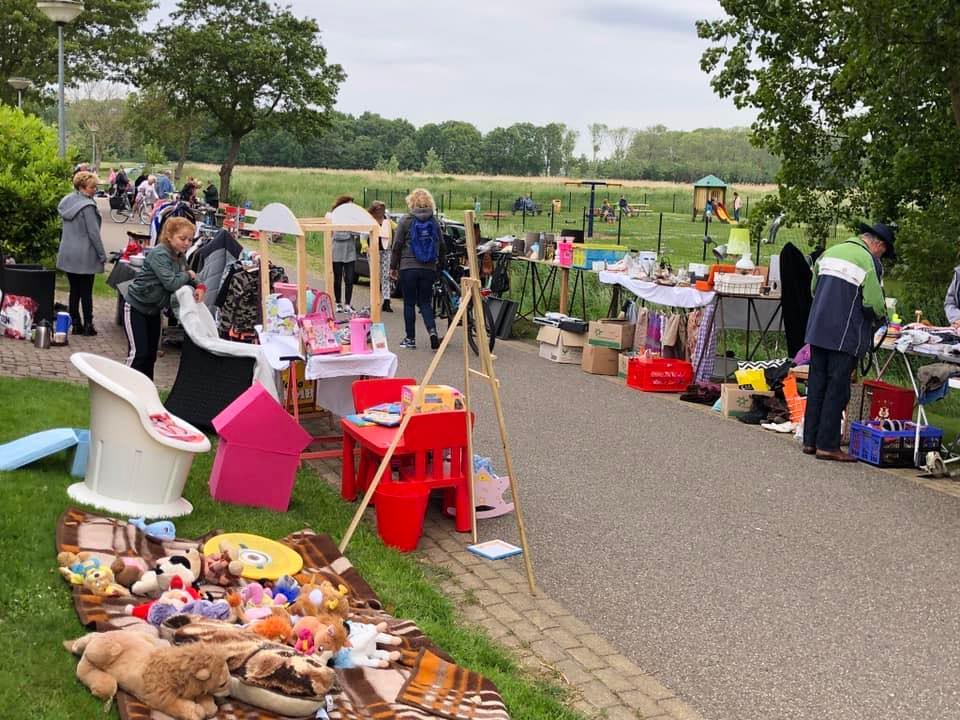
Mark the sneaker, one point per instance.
(339, 308)
(409, 343)
(434, 341)
(347, 309)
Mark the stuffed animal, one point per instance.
(210, 609)
(288, 587)
(223, 568)
(99, 581)
(322, 599)
(326, 633)
(74, 566)
(362, 651)
(126, 571)
(162, 530)
(187, 565)
(275, 628)
(179, 681)
(259, 602)
(178, 595)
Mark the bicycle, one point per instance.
(120, 209)
(446, 301)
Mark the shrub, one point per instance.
(32, 182)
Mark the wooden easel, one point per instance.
(469, 295)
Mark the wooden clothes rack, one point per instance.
(470, 295)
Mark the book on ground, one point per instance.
(494, 549)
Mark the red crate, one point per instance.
(659, 374)
(883, 401)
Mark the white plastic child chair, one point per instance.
(134, 469)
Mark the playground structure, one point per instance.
(713, 188)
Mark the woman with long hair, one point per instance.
(81, 255)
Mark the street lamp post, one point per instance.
(20, 84)
(61, 12)
(93, 128)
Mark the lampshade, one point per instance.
(745, 265)
(19, 83)
(739, 241)
(278, 219)
(61, 11)
(720, 252)
(351, 214)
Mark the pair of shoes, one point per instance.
(77, 328)
(408, 343)
(809, 450)
(386, 306)
(339, 308)
(835, 455)
(434, 341)
(90, 330)
(347, 309)
(780, 427)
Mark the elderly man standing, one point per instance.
(164, 185)
(848, 304)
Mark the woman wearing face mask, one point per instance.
(164, 272)
(81, 254)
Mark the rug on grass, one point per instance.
(423, 684)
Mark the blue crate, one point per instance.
(890, 448)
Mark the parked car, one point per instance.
(454, 233)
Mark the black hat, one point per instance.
(883, 232)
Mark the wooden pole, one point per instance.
(264, 274)
(464, 291)
(373, 260)
(487, 362)
(328, 261)
(564, 289)
(385, 462)
(302, 275)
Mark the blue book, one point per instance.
(494, 549)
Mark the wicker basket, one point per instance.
(734, 284)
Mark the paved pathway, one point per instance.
(752, 581)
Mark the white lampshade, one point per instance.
(61, 11)
(745, 265)
(278, 219)
(351, 214)
(20, 83)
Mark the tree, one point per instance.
(431, 163)
(567, 147)
(97, 45)
(106, 118)
(157, 121)
(247, 64)
(32, 181)
(620, 138)
(598, 133)
(461, 147)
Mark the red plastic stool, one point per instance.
(400, 511)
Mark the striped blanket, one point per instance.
(359, 693)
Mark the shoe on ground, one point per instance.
(835, 455)
(77, 328)
(809, 450)
(408, 343)
(434, 341)
(339, 308)
(90, 330)
(385, 307)
(347, 309)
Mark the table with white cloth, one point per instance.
(666, 295)
(334, 373)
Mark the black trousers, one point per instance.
(143, 339)
(417, 287)
(345, 271)
(81, 294)
(828, 392)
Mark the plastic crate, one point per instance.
(584, 255)
(659, 374)
(733, 284)
(882, 401)
(891, 448)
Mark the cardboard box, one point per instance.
(624, 361)
(735, 402)
(616, 334)
(561, 346)
(600, 360)
(435, 398)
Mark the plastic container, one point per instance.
(586, 254)
(659, 374)
(883, 401)
(891, 448)
(735, 284)
(565, 253)
(400, 510)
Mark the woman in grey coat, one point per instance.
(81, 254)
(344, 261)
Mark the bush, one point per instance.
(927, 252)
(32, 182)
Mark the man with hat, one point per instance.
(848, 305)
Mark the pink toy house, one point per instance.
(259, 452)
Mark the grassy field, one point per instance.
(37, 614)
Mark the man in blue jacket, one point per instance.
(848, 304)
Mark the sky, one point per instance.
(492, 63)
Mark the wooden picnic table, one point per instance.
(494, 215)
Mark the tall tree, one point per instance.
(156, 120)
(99, 44)
(620, 138)
(247, 64)
(598, 134)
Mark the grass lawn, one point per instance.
(36, 612)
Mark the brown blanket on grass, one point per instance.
(363, 693)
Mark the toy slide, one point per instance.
(31, 448)
(721, 212)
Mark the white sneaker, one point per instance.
(339, 308)
(347, 309)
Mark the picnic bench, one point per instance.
(494, 215)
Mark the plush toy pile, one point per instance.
(187, 635)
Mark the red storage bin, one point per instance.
(883, 401)
(659, 374)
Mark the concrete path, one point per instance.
(750, 580)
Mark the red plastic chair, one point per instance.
(435, 446)
(366, 394)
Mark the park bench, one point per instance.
(494, 215)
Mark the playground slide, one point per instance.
(721, 212)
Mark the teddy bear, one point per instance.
(126, 571)
(179, 681)
(255, 602)
(74, 566)
(224, 567)
(361, 649)
(187, 565)
(100, 581)
(322, 599)
(177, 595)
(319, 633)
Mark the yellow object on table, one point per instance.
(262, 558)
(435, 397)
